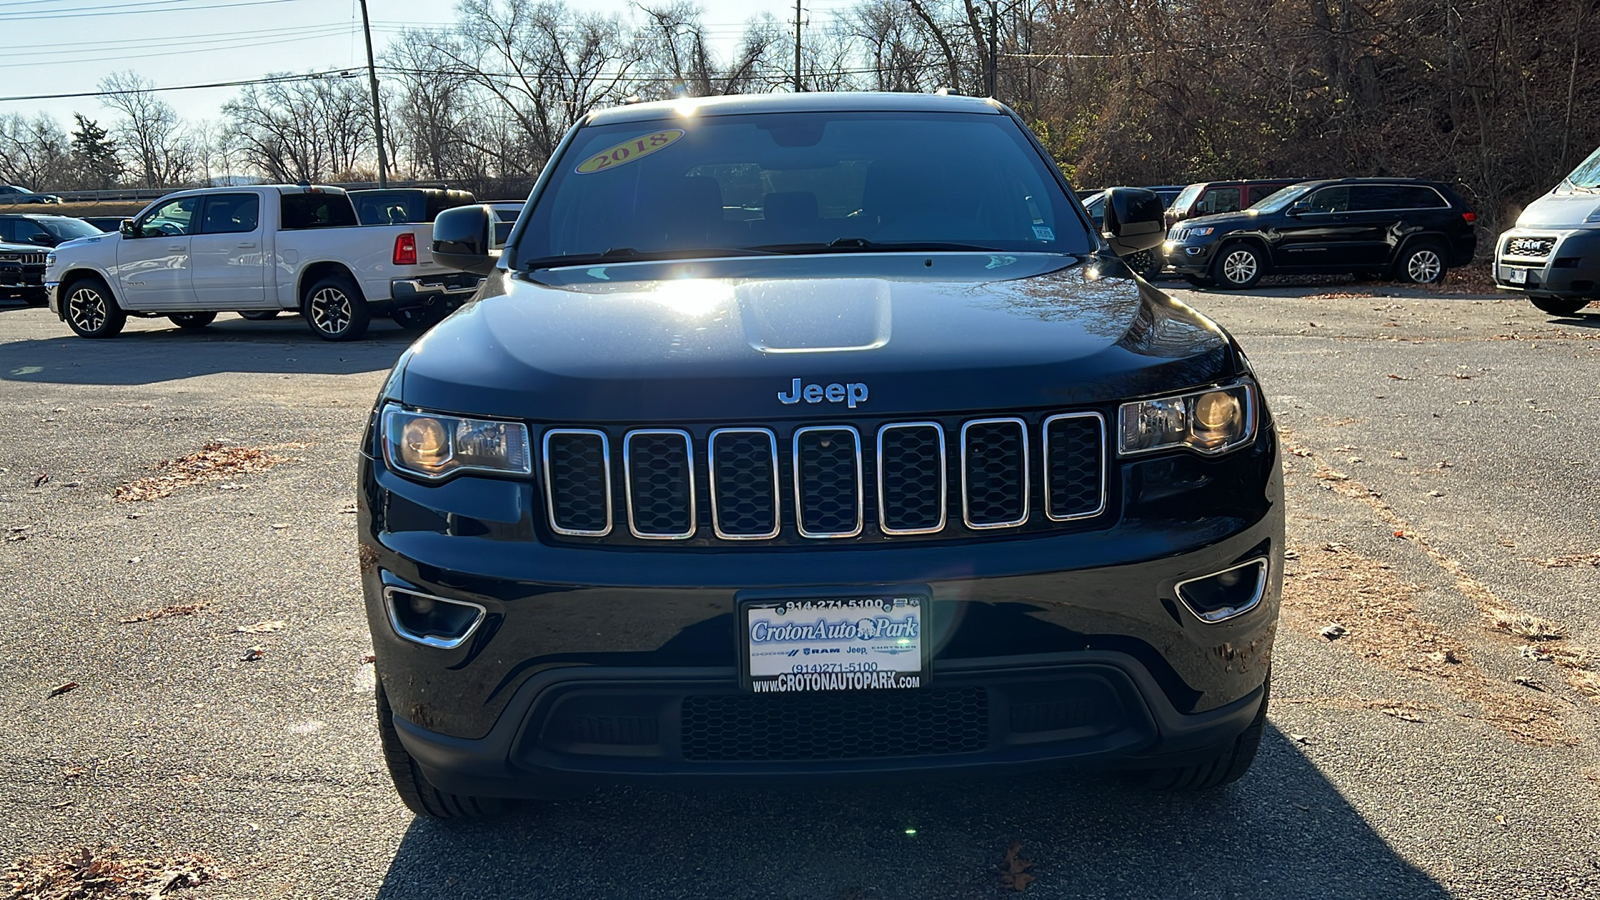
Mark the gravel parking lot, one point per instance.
(1445, 513)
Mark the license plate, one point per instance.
(1517, 276)
(834, 644)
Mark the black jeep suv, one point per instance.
(808, 436)
(1401, 227)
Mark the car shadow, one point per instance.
(1284, 831)
(146, 356)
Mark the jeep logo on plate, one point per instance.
(850, 394)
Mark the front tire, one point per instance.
(415, 791)
(1557, 306)
(1421, 264)
(1239, 266)
(193, 321)
(90, 309)
(1227, 763)
(335, 310)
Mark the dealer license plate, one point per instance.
(839, 644)
(1517, 276)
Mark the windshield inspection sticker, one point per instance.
(1044, 232)
(628, 151)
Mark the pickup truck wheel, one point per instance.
(259, 315)
(1239, 266)
(1226, 765)
(192, 321)
(1421, 264)
(335, 309)
(1557, 306)
(415, 791)
(90, 309)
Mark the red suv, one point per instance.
(1208, 198)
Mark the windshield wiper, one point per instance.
(862, 244)
(629, 254)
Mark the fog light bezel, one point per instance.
(1224, 614)
(430, 640)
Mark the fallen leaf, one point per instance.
(279, 526)
(1335, 631)
(1397, 377)
(165, 612)
(369, 658)
(73, 771)
(261, 627)
(1014, 871)
(253, 654)
(1530, 682)
(41, 479)
(1300, 738)
(1529, 651)
(62, 689)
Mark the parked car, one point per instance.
(1208, 198)
(193, 254)
(10, 193)
(22, 272)
(770, 450)
(1553, 254)
(43, 231)
(1405, 228)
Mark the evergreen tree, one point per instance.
(94, 155)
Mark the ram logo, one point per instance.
(850, 393)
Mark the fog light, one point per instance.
(431, 621)
(1223, 595)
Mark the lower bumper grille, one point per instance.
(871, 725)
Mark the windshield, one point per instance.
(1587, 174)
(1276, 201)
(1186, 197)
(800, 182)
(68, 229)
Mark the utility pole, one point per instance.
(798, 84)
(994, 45)
(377, 111)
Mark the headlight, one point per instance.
(50, 260)
(1201, 232)
(1211, 421)
(430, 445)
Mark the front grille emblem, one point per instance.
(849, 394)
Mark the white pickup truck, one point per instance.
(257, 251)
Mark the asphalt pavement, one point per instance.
(1443, 491)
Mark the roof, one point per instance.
(842, 101)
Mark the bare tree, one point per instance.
(676, 59)
(34, 153)
(161, 152)
(312, 129)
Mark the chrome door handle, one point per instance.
(247, 245)
(177, 249)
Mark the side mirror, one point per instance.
(1298, 207)
(1134, 220)
(461, 239)
(43, 240)
(127, 229)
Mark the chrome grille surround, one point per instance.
(800, 496)
(883, 479)
(693, 513)
(551, 513)
(715, 489)
(966, 474)
(1530, 247)
(1050, 482)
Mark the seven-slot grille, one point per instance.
(27, 259)
(827, 473)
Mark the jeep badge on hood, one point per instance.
(850, 394)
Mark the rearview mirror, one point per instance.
(1134, 220)
(461, 239)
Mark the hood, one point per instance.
(1562, 209)
(1221, 221)
(808, 337)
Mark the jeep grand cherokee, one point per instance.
(814, 435)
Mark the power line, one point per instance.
(130, 10)
(271, 79)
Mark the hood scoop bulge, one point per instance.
(823, 315)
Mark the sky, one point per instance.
(69, 46)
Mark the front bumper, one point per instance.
(609, 664)
(1568, 269)
(19, 279)
(1188, 259)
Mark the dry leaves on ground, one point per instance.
(213, 462)
(1569, 561)
(261, 627)
(104, 873)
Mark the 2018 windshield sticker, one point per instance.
(628, 151)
